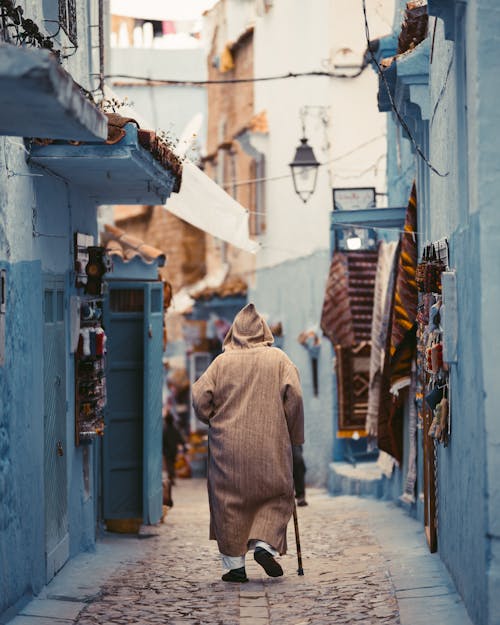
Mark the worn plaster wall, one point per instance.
(38, 215)
(62, 210)
(22, 564)
(292, 292)
(462, 209)
(22, 567)
(483, 41)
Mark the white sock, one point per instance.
(232, 562)
(260, 543)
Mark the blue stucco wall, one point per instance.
(292, 292)
(63, 211)
(22, 563)
(461, 465)
(461, 206)
(38, 216)
(483, 33)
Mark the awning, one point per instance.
(122, 173)
(38, 98)
(202, 203)
(376, 217)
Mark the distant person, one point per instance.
(251, 398)
(299, 475)
(172, 438)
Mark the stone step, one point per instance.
(364, 479)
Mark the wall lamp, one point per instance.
(304, 165)
(353, 241)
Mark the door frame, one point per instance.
(56, 555)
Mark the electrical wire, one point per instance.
(443, 88)
(358, 147)
(238, 183)
(398, 115)
(197, 83)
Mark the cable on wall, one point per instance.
(398, 115)
(197, 83)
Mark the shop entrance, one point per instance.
(54, 382)
(132, 459)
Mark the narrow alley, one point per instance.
(254, 246)
(365, 562)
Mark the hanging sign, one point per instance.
(354, 198)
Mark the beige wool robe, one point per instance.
(251, 398)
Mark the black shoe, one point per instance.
(301, 501)
(267, 562)
(236, 575)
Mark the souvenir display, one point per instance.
(90, 386)
(91, 264)
(433, 392)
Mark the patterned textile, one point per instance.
(382, 302)
(401, 341)
(346, 317)
(252, 400)
(352, 369)
(403, 328)
(411, 476)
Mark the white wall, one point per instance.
(292, 37)
(301, 37)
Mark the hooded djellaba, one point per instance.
(251, 398)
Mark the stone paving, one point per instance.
(366, 562)
(177, 581)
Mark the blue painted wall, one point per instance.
(462, 120)
(292, 292)
(63, 211)
(38, 215)
(22, 563)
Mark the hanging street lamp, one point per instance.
(304, 170)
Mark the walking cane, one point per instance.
(300, 570)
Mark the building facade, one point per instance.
(294, 256)
(50, 319)
(444, 88)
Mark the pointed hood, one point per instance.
(249, 329)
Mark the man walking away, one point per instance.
(251, 398)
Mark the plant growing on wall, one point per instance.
(23, 30)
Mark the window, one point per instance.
(67, 19)
(127, 300)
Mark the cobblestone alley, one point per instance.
(365, 563)
(178, 581)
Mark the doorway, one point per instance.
(54, 383)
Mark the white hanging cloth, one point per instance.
(204, 204)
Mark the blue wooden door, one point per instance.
(55, 451)
(153, 379)
(132, 438)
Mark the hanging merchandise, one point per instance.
(433, 392)
(90, 380)
(91, 264)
